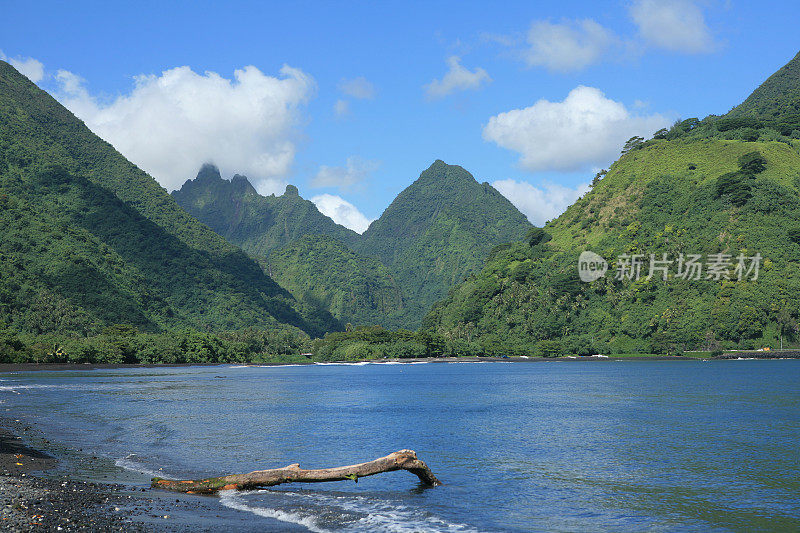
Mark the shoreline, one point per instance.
(31, 501)
(727, 356)
(36, 496)
(29, 367)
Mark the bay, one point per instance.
(545, 446)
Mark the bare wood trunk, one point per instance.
(402, 460)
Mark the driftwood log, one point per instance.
(402, 460)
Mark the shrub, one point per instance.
(536, 236)
(548, 348)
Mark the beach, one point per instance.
(33, 499)
(32, 502)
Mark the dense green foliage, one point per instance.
(436, 231)
(375, 342)
(87, 239)
(770, 113)
(124, 344)
(439, 230)
(680, 196)
(299, 247)
(258, 224)
(777, 100)
(324, 272)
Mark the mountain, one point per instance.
(88, 240)
(258, 224)
(303, 250)
(777, 99)
(322, 271)
(702, 187)
(439, 229)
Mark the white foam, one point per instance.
(359, 363)
(375, 514)
(233, 500)
(15, 388)
(129, 463)
(266, 366)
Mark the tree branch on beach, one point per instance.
(401, 460)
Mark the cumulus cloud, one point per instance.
(359, 88)
(355, 171)
(675, 25)
(170, 124)
(540, 204)
(342, 212)
(27, 66)
(568, 46)
(586, 129)
(457, 78)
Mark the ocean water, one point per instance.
(550, 446)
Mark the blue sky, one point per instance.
(350, 101)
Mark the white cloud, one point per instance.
(586, 129)
(170, 124)
(359, 88)
(675, 25)
(457, 78)
(568, 46)
(28, 67)
(355, 171)
(540, 205)
(341, 108)
(342, 212)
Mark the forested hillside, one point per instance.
(436, 231)
(88, 240)
(324, 272)
(302, 249)
(777, 100)
(439, 229)
(258, 224)
(719, 185)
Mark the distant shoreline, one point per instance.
(786, 354)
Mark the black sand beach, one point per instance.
(34, 499)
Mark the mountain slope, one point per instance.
(777, 99)
(434, 233)
(259, 224)
(690, 190)
(89, 236)
(302, 249)
(324, 272)
(663, 199)
(439, 229)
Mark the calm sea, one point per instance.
(552, 446)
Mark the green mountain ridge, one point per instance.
(438, 230)
(89, 240)
(323, 272)
(690, 190)
(777, 99)
(302, 249)
(258, 224)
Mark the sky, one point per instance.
(351, 101)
